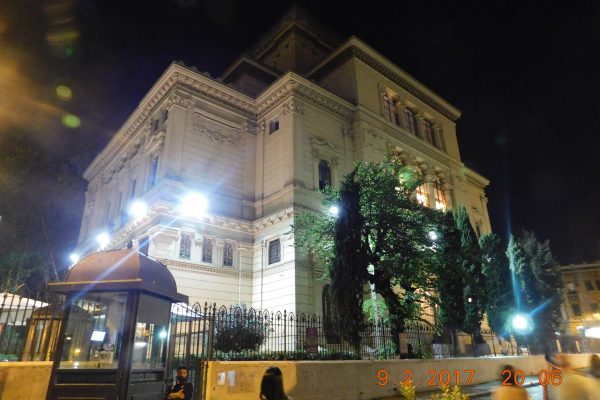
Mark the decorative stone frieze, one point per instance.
(292, 107)
(221, 135)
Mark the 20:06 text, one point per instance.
(443, 378)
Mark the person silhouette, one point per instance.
(271, 386)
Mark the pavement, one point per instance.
(483, 391)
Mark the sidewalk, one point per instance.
(473, 391)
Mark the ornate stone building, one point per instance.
(581, 299)
(290, 115)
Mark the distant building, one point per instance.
(581, 300)
(288, 117)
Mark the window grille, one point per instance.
(228, 255)
(207, 247)
(185, 246)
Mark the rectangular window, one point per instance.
(576, 310)
(228, 255)
(389, 110)
(589, 286)
(595, 308)
(185, 246)
(409, 121)
(274, 125)
(422, 195)
(132, 195)
(153, 172)
(440, 196)
(274, 251)
(207, 248)
(428, 132)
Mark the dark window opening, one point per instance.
(274, 251)
(324, 174)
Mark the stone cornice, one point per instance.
(175, 75)
(272, 219)
(475, 179)
(355, 47)
(293, 84)
(205, 268)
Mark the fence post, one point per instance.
(494, 344)
(284, 332)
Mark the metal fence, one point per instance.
(199, 333)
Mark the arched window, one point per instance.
(228, 254)
(207, 248)
(389, 110)
(428, 132)
(440, 196)
(185, 246)
(409, 121)
(324, 174)
(274, 251)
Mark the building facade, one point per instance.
(289, 116)
(581, 299)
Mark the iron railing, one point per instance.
(199, 333)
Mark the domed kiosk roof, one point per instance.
(120, 270)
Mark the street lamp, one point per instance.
(521, 323)
(433, 235)
(334, 210)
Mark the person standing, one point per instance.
(182, 390)
(271, 386)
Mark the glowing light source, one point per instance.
(74, 257)
(71, 121)
(64, 92)
(140, 344)
(103, 239)
(433, 235)
(138, 209)
(470, 300)
(194, 205)
(162, 334)
(593, 332)
(334, 210)
(521, 323)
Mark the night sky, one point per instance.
(524, 74)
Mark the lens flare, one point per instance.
(64, 92)
(71, 121)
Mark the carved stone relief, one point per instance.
(215, 131)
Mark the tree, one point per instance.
(498, 286)
(40, 207)
(474, 294)
(540, 285)
(380, 237)
(450, 281)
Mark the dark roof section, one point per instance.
(120, 270)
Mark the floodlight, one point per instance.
(103, 239)
(138, 209)
(194, 205)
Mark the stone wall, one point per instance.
(358, 380)
(24, 380)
